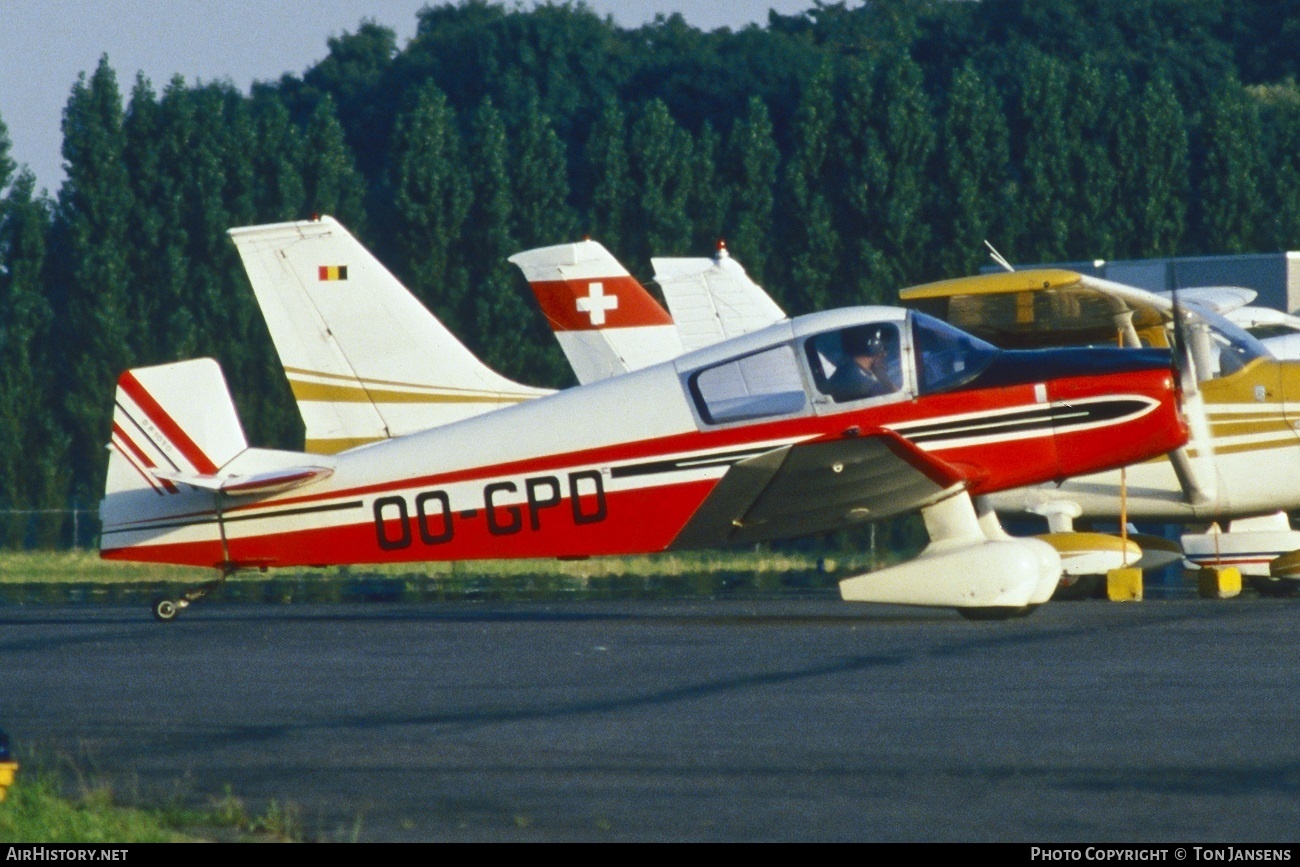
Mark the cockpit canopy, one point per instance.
(824, 362)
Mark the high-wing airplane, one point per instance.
(801, 427)
(1241, 473)
(711, 300)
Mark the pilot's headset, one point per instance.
(863, 340)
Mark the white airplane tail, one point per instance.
(167, 420)
(177, 452)
(606, 321)
(712, 300)
(170, 419)
(365, 359)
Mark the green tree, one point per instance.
(908, 139)
(709, 198)
(510, 335)
(356, 76)
(542, 215)
(1227, 195)
(431, 197)
(1280, 117)
(859, 163)
(811, 242)
(1091, 213)
(279, 194)
(33, 464)
(753, 160)
(976, 200)
(1046, 157)
(607, 178)
(331, 182)
(93, 313)
(1152, 155)
(660, 154)
(886, 141)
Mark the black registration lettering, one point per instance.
(597, 487)
(536, 503)
(516, 518)
(403, 537)
(426, 520)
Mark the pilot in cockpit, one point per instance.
(864, 372)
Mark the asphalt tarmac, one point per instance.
(795, 720)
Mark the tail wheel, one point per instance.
(165, 610)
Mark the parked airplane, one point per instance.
(802, 427)
(1245, 471)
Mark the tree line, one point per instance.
(842, 153)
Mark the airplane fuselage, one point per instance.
(633, 464)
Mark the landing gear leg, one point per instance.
(165, 610)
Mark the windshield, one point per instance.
(946, 357)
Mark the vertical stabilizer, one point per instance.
(365, 359)
(712, 300)
(169, 420)
(605, 321)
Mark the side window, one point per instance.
(858, 362)
(756, 386)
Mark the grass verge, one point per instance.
(41, 808)
(85, 566)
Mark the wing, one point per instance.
(818, 486)
(712, 300)
(1030, 309)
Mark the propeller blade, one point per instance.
(1196, 476)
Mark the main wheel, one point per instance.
(1267, 585)
(165, 610)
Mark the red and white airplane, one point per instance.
(802, 427)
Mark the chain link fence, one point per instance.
(49, 529)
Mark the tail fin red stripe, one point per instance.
(166, 425)
(121, 439)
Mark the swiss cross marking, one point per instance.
(597, 302)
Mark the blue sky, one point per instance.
(44, 44)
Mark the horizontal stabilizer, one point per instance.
(271, 482)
